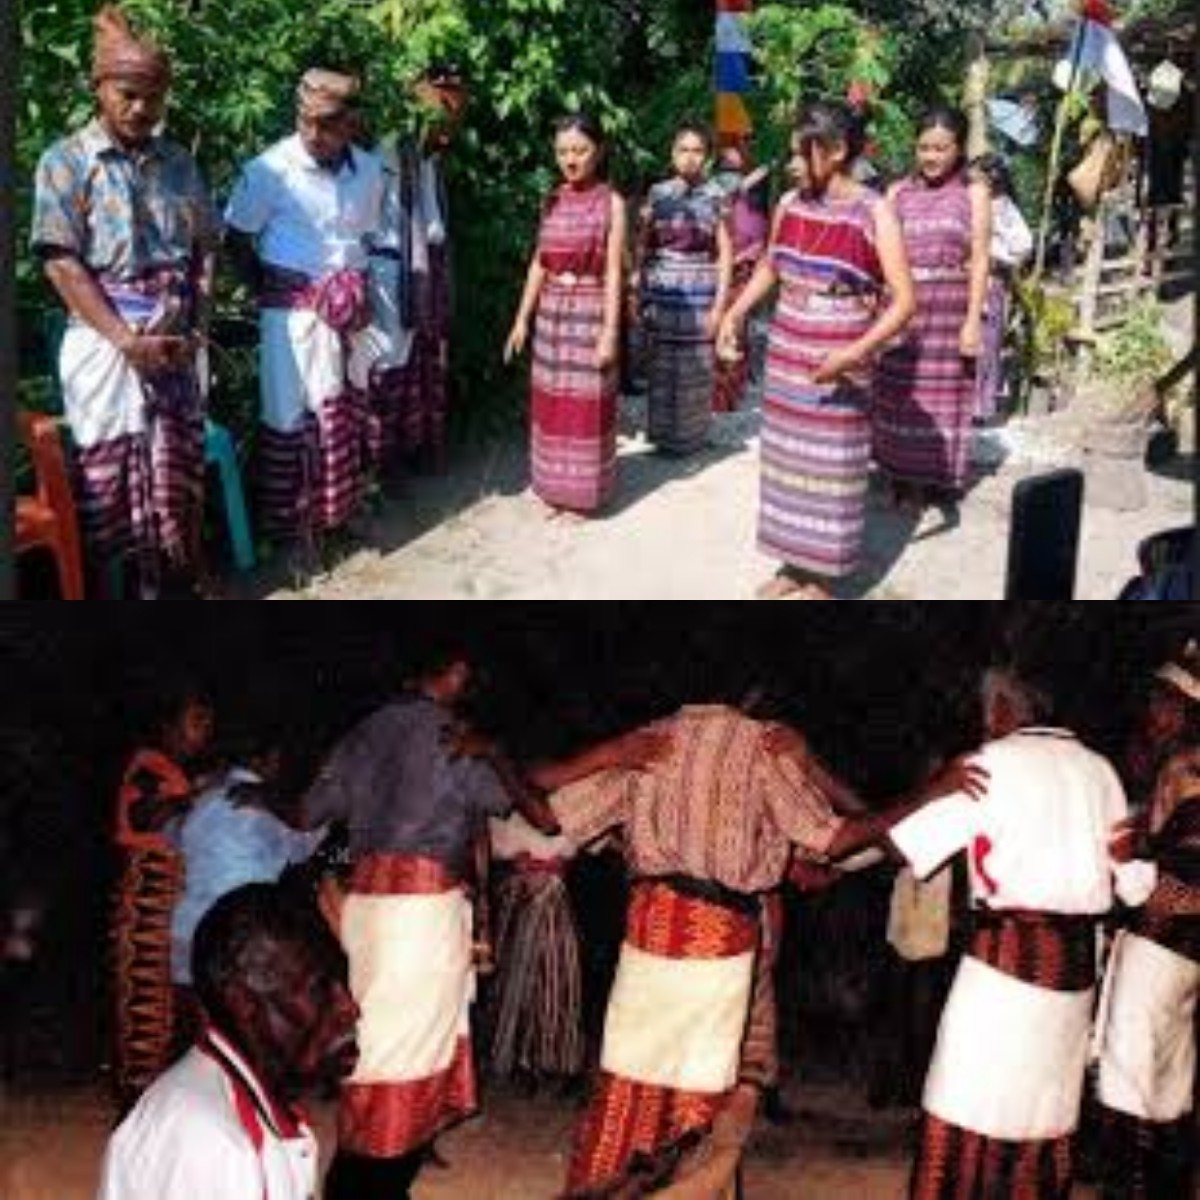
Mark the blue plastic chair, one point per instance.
(219, 452)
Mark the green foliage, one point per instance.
(1044, 318)
(1136, 351)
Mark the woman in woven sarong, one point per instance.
(537, 1027)
(835, 245)
(574, 286)
(1012, 244)
(682, 265)
(925, 386)
(125, 228)
(154, 787)
(749, 227)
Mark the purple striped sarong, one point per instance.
(139, 457)
(925, 389)
(816, 438)
(573, 426)
(679, 287)
(313, 475)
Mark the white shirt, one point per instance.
(189, 1138)
(1012, 240)
(1038, 838)
(515, 836)
(306, 217)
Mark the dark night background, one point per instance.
(877, 687)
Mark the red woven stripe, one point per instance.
(401, 875)
(386, 1120)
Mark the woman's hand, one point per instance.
(970, 339)
(515, 346)
(712, 322)
(729, 338)
(836, 364)
(606, 349)
(640, 748)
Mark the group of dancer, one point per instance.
(885, 337)
(711, 809)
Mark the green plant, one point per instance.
(1043, 320)
(1136, 352)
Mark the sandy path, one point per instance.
(685, 529)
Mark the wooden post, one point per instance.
(1060, 128)
(975, 91)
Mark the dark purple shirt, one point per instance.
(391, 779)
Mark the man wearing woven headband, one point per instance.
(1170, 714)
(297, 225)
(125, 228)
(410, 275)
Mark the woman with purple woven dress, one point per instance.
(838, 257)
(925, 386)
(573, 296)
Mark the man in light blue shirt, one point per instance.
(232, 835)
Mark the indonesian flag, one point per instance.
(1095, 50)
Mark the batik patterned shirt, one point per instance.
(719, 806)
(125, 214)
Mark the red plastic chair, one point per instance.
(47, 519)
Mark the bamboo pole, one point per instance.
(1060, 128)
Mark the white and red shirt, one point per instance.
(1038, 838)
(208, 1128)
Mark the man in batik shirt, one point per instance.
(125, 228)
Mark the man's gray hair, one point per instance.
(1029, 703)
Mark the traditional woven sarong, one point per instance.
(1003, 1094)
(679, 288)
(816, 438)
(672, 1037)
(990, 379)
(573, 426)
(406, 927)
(319, 440)
(925, 390)
(538, 1025)
(424, 395)
(147, 891)
(139, 441)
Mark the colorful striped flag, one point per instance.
(732, 73)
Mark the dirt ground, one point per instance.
(685, 529)
(836, 1149)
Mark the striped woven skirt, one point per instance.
(406, 928)
(424, 397)
(816, 440)
(147, 892)
(319, 439)
(925, 391)
(573, 442)
(679, 291)
(990, 380)
(671, 1044)
(538, 1024)
(1057, 957)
